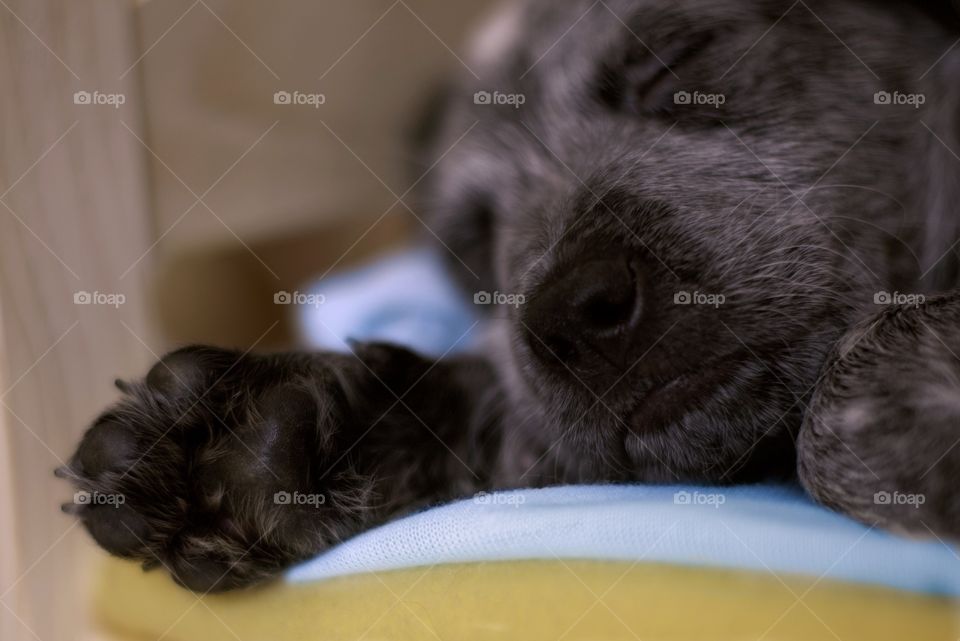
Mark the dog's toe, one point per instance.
(119, 529)
(107, 446)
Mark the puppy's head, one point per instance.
(680, 205)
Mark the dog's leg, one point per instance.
(881, 440)
(227, 467)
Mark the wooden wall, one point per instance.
(102, 199)
(73, 218)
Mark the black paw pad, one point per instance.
(117, 528)
(202, 574)
(288, 432)
(107, 446)
(288, 406)
(273, 449)
(180, 374)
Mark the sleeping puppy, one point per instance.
(727, 222)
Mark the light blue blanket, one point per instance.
(776, 529)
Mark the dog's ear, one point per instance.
(940, 128)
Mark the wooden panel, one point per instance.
(211, 71)
(74, 208)
(73, 218)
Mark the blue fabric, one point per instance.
(763, 528)
(775, 529)
(405, 298)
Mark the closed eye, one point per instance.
(640, 81)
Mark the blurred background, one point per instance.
(165, 168)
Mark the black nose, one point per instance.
(586, 316)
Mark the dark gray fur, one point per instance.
(799, 199)
(879, 441)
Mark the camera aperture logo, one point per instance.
(512, 499)
(497, 98)
(715, 100)
(897, 98)
(299, 498)
(299, 98)
(84, 497)
(98, 98)
(899, 498)
(98, 298)
(897, 298)
(498, 298)
(699, 298)
(298, 298)
(683, 497)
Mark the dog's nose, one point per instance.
(586, 316)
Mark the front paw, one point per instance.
(223, 467)
(881, 438)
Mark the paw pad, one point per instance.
(178, 375)
(118, 529)
(107, 446)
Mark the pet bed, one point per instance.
(582, 562)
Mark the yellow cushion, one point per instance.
(528, 600)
